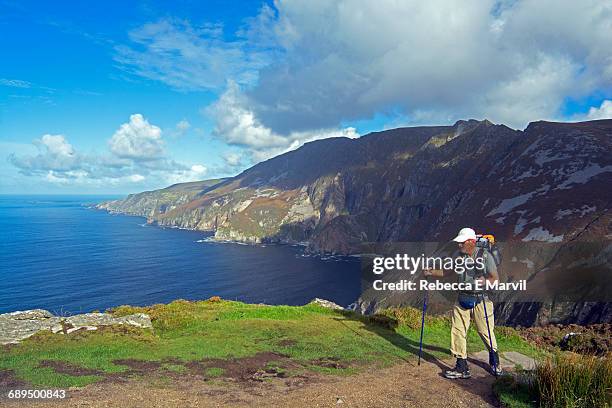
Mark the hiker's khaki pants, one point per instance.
(461, 323)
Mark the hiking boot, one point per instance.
(461, 370)
(494, 363)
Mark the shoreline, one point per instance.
(211, 239)
(107, 262)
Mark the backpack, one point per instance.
(484, 242)
(487, 241)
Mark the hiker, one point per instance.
(472, 305)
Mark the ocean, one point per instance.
(58, 254)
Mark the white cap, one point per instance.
(465, 234)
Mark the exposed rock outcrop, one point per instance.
(17, 326)
(326, 303)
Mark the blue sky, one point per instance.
(118, 97)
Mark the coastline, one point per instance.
(306, 245)
(80, 260)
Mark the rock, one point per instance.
(326, 303)
(17, 326)
(567, 340)
(508, 359)
(34, 314)
(138, 319)
(14, 330)
(57, 328)
(104, 319)
(517, 358)
(81, 328)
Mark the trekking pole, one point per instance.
(423, 325)
(491, 352)
(425, 298)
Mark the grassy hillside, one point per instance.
(212, 338)
(156, 202)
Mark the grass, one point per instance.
(515, 393)
(563, 380)
(214, 371)
(176, 368)
(187, 331)
(437, 335)
(575, 381)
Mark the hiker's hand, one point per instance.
(433, 272)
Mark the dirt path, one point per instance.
(403, 385)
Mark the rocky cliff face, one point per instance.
(550, 183)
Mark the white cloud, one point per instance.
(537, 93)
(51, 178)
(195, 173)
(138, 140)
(198, 169)
(180, 129)
(297, 139)
(57, 146)
(302, 68)
(237, 125)
(189, 57)
(15, 83)
(135, 155)
(54, 152)
(232, 159)
(183, 126)
(296, 71)
(512, 63)
(136, 178)
(603, 112)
